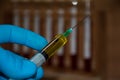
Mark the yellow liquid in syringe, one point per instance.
(54, 45)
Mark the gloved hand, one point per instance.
(15, 66)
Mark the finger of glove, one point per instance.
(15, 66)
(38, 75)
(3, 78)
(15, 34)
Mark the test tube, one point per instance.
(73, 41)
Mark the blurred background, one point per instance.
(93, 49)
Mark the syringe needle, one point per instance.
(79, 22)
(68, 31)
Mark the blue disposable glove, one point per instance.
(15, 66)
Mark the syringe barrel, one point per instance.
(55, 44)
(49, 50)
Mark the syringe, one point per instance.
(49, 50)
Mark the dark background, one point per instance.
(105, 38)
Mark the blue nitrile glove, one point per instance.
(15, 66)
